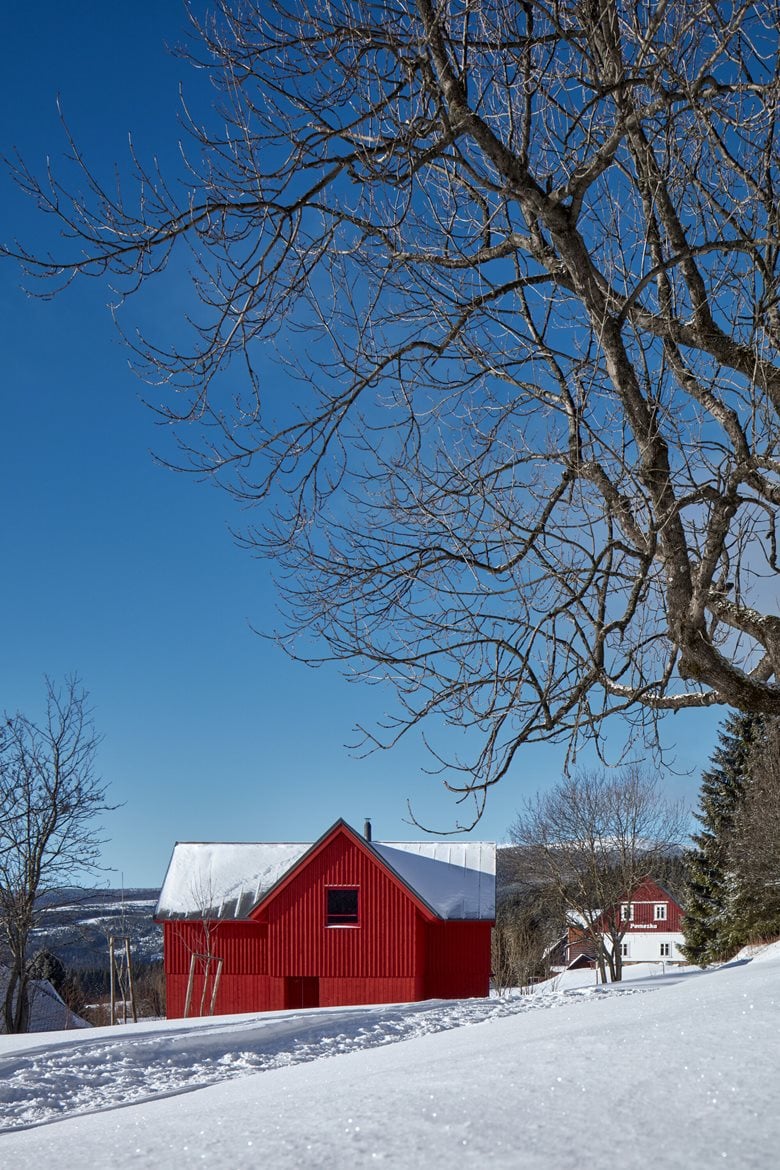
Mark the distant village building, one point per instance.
(652, 921)
(347, 920)
(48, 1011)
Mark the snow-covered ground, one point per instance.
(679, 1071)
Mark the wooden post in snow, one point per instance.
(122, 979)
(112, 970)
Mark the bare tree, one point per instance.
(49, 799)
(205, 961)
(523, 938)
(593, 838)
(523, 259)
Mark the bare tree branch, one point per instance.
(523, 263)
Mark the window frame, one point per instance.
(666, 950)
(626, 911)
(342, 920)
(660, 912)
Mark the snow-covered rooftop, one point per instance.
(227, 879)
(48, 1012)
(456, 879)
(223, 879)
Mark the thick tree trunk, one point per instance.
(618, 958)
(612, 959)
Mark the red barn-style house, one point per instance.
(652, 924)
(347, 920)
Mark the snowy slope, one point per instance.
(682, 1074)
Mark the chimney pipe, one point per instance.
(367, 829)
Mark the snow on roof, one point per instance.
(226, 880)
(456, 879)
(223, 879)
(48, 1012)
(575, 918)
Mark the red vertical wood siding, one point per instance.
(243, 948)
(341, 992)
(383, 945)
(457, 959)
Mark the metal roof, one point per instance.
(456, 879)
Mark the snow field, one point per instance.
(685, 1076)
(114, 1067)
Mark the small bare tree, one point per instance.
(523, 261)
(520, 947)
(205, 962)
(593, 838)
(49, 799)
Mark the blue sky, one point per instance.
(125, 572)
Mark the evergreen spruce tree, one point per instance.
(712, 932)
(755, 852)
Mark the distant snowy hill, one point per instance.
(680, 1072)
(77, 926)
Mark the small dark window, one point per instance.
(342, 907)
